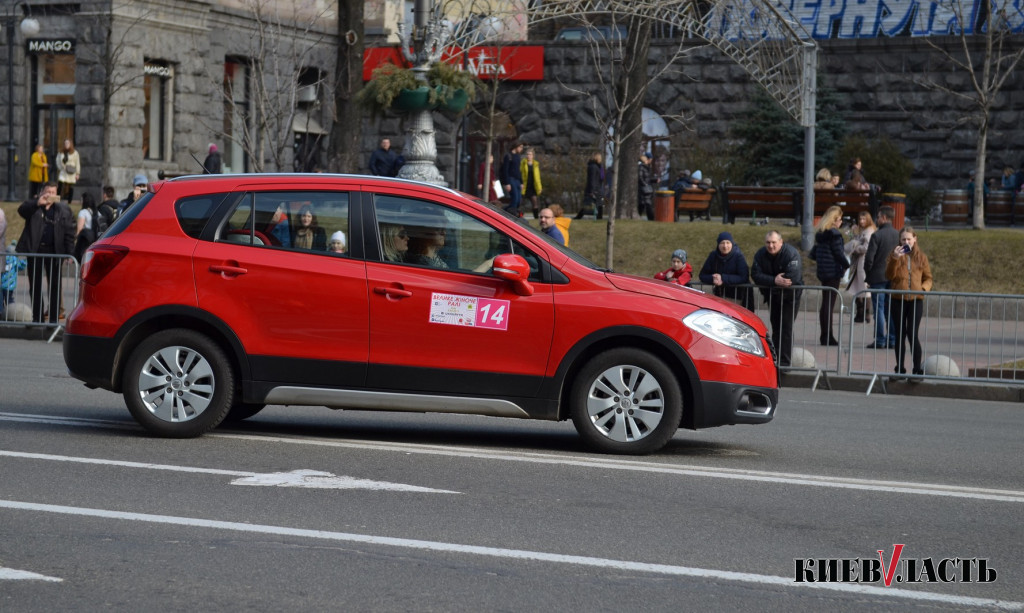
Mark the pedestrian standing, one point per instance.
(883, 241)
(645, 187)
(38, 171)
(778, 269)
(69, 170)
(212, 163)
(907, 269)
(512, 178)
(830, 256)
(529, 169)
(384, 161)
(49, 229)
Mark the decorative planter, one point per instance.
(413, 100)
(457, 101)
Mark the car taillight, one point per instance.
(99, 260)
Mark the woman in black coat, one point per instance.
(830, 256)
(594, 191)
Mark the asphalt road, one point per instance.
(309, 509)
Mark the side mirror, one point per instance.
(514, 269)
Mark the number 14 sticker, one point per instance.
(492, 314)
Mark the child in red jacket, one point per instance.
(681, 271)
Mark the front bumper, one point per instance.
(733, 403)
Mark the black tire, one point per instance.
(607, 396)
(242, 411)
(178, 384)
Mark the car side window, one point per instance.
(299, 221)
(421, 233)
(194, 212)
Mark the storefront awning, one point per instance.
(302, 123)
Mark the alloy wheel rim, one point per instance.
(625, 403)
(176, 384)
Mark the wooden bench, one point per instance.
(696, 202)
(738, 201)
(788, 202)
(852, 201)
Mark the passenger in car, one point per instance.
(337, 244)
(424, 243)
(279, 227)
(308, 233)
(394, 242)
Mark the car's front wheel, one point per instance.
(626, 401)
(178, 384)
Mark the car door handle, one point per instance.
(224, 269)
(392, 292)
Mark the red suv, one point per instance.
(213, 296)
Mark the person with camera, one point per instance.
(49, 229)
(907, 269)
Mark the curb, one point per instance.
(929, 388)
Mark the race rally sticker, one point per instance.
(469, 311)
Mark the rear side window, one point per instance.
(195, 212)
(297, 221)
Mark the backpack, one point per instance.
(102, 217)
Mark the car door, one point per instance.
(439, 325)
(300, 311)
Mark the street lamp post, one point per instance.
(29, 27)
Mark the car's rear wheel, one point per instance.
(178, 384)
(626, 401)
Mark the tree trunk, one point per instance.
(979, 176)
(346, 130)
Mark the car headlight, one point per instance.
(725, 330)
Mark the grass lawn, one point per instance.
(963, 260)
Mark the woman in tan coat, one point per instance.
(907, 269)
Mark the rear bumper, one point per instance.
(732, 403)
(91, 359)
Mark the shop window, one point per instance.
(157, 88)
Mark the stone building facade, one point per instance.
(139, 87)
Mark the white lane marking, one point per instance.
(899, 487)
(903, 487)
(295, 478)
(23, 575)
(520, 554)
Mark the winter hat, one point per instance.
(140, 179)
(338, 236)
(679, 253)
(725, 236)
(213, 148)
(697, 175)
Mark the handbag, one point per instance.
(70, 169)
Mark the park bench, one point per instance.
(788, 202)
(757, 201)
(696, 202)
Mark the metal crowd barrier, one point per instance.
(977, 338)
(18, 308)
(969, 337)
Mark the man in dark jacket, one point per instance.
(49, 229)
(726, 268)
(778, 269)
(512, 177)
(883, 241)
(384, 161)
(645, 187)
